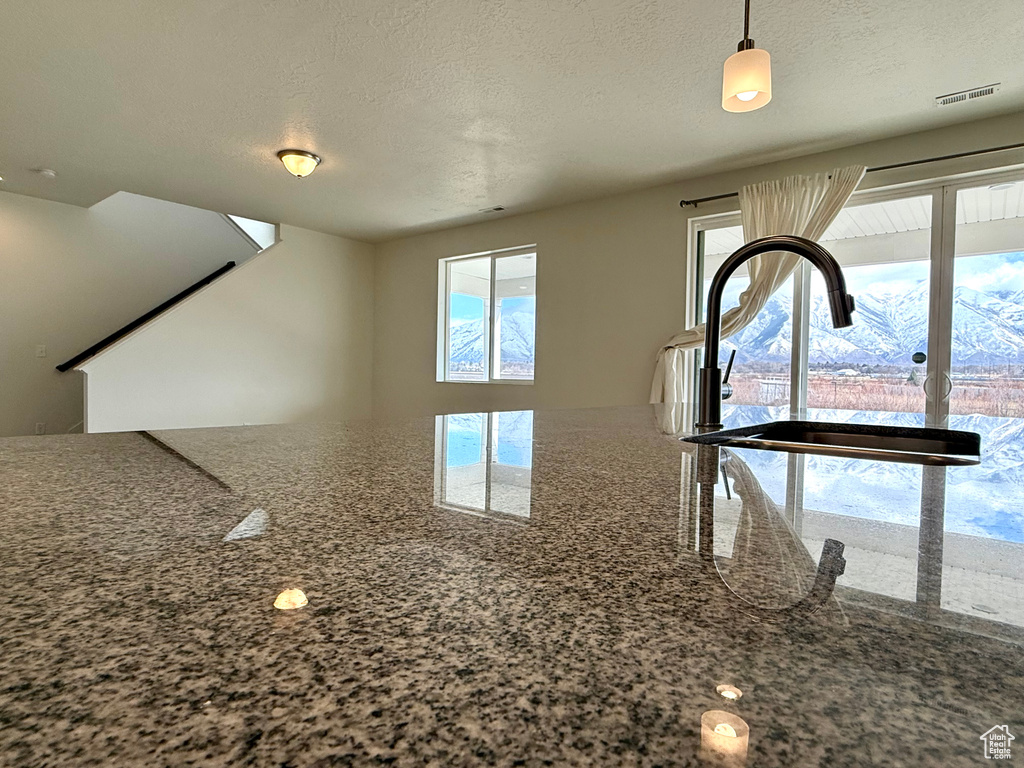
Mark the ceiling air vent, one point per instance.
(961, 97)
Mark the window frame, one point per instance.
(444, 312)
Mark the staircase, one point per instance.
(138, 322)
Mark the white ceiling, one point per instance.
(427, 110)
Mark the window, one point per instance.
(487, 311)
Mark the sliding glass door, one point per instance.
(939, 327)
(791, 359)
(874, 371)
(983, 392)
(938, 339)
(987, 355)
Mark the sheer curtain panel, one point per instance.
(796, 205)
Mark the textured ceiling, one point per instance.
(427, 110)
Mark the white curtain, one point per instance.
(797, 205)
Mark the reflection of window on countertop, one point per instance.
(483, 463)
(948, 541)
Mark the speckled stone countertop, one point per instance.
(548, 604)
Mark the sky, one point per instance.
(464, 307)
(1001, 272)
(992, 272)
(879, 279)
(527, 304)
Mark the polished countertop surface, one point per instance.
(549, 588)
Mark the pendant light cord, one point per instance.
(746, 21)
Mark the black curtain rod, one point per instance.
(972, 153)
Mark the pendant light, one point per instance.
(747, 77)
(299, 162)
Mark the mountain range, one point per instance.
(517, 338)
(988, 329)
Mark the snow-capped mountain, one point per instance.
(988, 329)
(516, 332)
(466, 345)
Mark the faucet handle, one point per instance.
(726, 386)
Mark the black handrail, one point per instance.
(122, 332)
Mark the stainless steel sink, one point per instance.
(910, 445)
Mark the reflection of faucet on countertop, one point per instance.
(841, 303)
(759, 512)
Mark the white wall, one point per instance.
(70, 276)
(286, 337)
(611, 280)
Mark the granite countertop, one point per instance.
(550, 588)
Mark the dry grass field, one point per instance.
(1002, 397)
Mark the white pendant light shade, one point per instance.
(747, 81)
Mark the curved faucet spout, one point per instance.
(840, 302)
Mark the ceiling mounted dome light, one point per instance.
(299, 162)
(747, 78)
